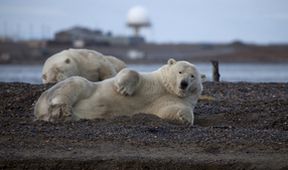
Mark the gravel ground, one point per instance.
(237, 126)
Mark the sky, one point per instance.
(173, 21)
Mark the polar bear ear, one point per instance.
(44, 77)
(171, 61)
(203, 78)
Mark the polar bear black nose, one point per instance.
(183, 84)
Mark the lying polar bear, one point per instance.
(90, 64)
(171, 92)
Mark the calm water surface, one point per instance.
(229, 72)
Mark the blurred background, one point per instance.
(249, 38)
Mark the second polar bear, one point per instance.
(171, 92)
(89, 64)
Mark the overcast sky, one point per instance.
(255, 21)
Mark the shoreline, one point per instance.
(153, 53)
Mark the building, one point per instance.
(94, 37)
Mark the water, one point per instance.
(229, 72)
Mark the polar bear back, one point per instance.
(89, 64)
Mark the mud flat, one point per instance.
(238, 126)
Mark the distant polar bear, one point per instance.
(171, 92)
(90, 64)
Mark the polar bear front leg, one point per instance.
(126, 82)
(184, 115)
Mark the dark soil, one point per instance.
(237, 126)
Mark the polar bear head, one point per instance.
(59, 69)
(181, 78)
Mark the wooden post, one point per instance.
(215, 71)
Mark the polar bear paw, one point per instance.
(60, 112)
(185, 118)
(124, 90)
(126, 82)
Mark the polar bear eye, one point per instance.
(67, 61)
(180, 72)
(192, 76)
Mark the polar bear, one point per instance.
(171, 92)
(90, 64)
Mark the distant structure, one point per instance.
(81, 36)
(85, 36)
(78, 33)
(137, 18)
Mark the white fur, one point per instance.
(128, 93)
(90, 64)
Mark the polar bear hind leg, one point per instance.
(50, 110)
(126, 82)
(56, 103)
(60, 111)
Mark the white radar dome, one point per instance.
(138, 16)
